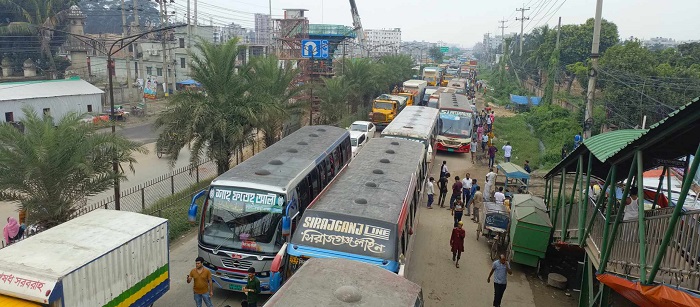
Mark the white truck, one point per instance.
(103, 258)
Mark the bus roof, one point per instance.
(375, 181)
(451, 101)
(319, 281)
(414, 121)
(277, 167)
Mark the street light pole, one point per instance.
(110, 70)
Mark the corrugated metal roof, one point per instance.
(46, 88)
(513, 170)
(606, 145)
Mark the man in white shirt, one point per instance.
(490, 179)
(507, 150)
(431, 192)
(499, 197)
(443, 169)
(466, 191)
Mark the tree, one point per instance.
(435, 54)
(273, 87)
(360, 78)
(104, 16)
(216, 122)
(393, 70)
(38, 18)
(50, 169)
(334, 95)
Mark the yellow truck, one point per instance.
(385, 108)
(432, 75)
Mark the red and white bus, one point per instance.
(457, 122)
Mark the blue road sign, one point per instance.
(315, 48)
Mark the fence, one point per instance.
(143, 196)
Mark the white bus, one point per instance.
(456, 117)
(250, 209)
(415, 123)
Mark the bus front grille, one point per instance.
(236, 264)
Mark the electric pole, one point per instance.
(125, 33)
(588, 119)
(139, 71)
(503, 27)
(522, 25)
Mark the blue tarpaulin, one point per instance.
(523, 100)
(189, 82)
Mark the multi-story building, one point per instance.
(382, 41)
(262, 29)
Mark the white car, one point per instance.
(368, 128)
(357, 140)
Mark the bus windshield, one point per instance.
(243, 219)
(456, 123)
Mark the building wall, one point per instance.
(58, 106)
(383, 41)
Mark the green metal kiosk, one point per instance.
(530, 228)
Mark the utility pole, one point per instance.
(164, 71)
(558, 32)
(522, 25)
(125, 33)
(503, 27)
(588, 119)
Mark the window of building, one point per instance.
(47, 111)
(9, 117)
(182, 42)
(159, 71)
(89, 108)
(149, 71)
(182, 62)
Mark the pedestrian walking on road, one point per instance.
(490, 180)
(203, 286)
(442, 185)
(488, 123)
(252, 288)
(458, 211)
(431, 192)
(443, 169)
(492, 154)
(473, 190)
(499, 268)
(456, 192)
(507, 150)
(477, 203)
(466, 190)
(457, 242)
(472, 148)
(484, 141)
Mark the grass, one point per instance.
(174, 208)
(525, 145)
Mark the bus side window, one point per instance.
(303, 192)
(316, 181)
(346, 150)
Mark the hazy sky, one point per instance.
(465, 22)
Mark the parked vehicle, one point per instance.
(250, 210)
(317, 283)
(357, 140)
(386, 107)
(414, 89)
(103, 258)
(432, 75)
(494, 224)
(429, 91)
(364, 126)
(456, 116)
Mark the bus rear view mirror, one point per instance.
(192, 212)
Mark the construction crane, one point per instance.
(357, 24)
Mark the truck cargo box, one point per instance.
(103, 258)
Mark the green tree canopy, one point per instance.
(51, 169)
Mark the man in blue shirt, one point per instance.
(500, 267)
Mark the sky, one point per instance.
(465, 22)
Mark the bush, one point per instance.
(174, 208)
(525, 144)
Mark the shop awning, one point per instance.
(653, 295)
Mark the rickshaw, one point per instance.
(164, 142)
(494, 224)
